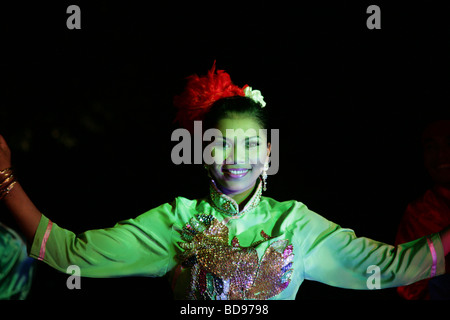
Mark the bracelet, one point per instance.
(5, 174)
(5, 192)
(8, 181)
(5, 183)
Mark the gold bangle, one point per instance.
(5, 192)
(6, 171)
(6, 182)
(5, 174)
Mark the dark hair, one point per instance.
(232, 106)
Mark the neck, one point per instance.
(241, 197)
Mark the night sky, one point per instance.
(88, 113)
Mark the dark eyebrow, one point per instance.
(222, 138)
(248, 138)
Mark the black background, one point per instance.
(88, 113)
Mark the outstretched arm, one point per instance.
(17, 201)
(336, 256)
(140, 246)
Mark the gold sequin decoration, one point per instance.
(223, 271)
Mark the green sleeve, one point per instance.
(337, 257)
(140, 246)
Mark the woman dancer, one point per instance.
(234, 243)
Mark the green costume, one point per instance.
(16, 268)
(212, 249)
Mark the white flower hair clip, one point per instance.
(255, 95)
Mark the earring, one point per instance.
(264, 176)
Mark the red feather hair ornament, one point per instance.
(200, 94)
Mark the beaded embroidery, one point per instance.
(224, 204)
(223, 271)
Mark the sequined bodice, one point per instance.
(221, 269)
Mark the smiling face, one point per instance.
(239, 154)
(436, 146)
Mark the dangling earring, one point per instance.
(264, 176)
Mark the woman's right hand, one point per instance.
(5, 154)
(19, 204)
